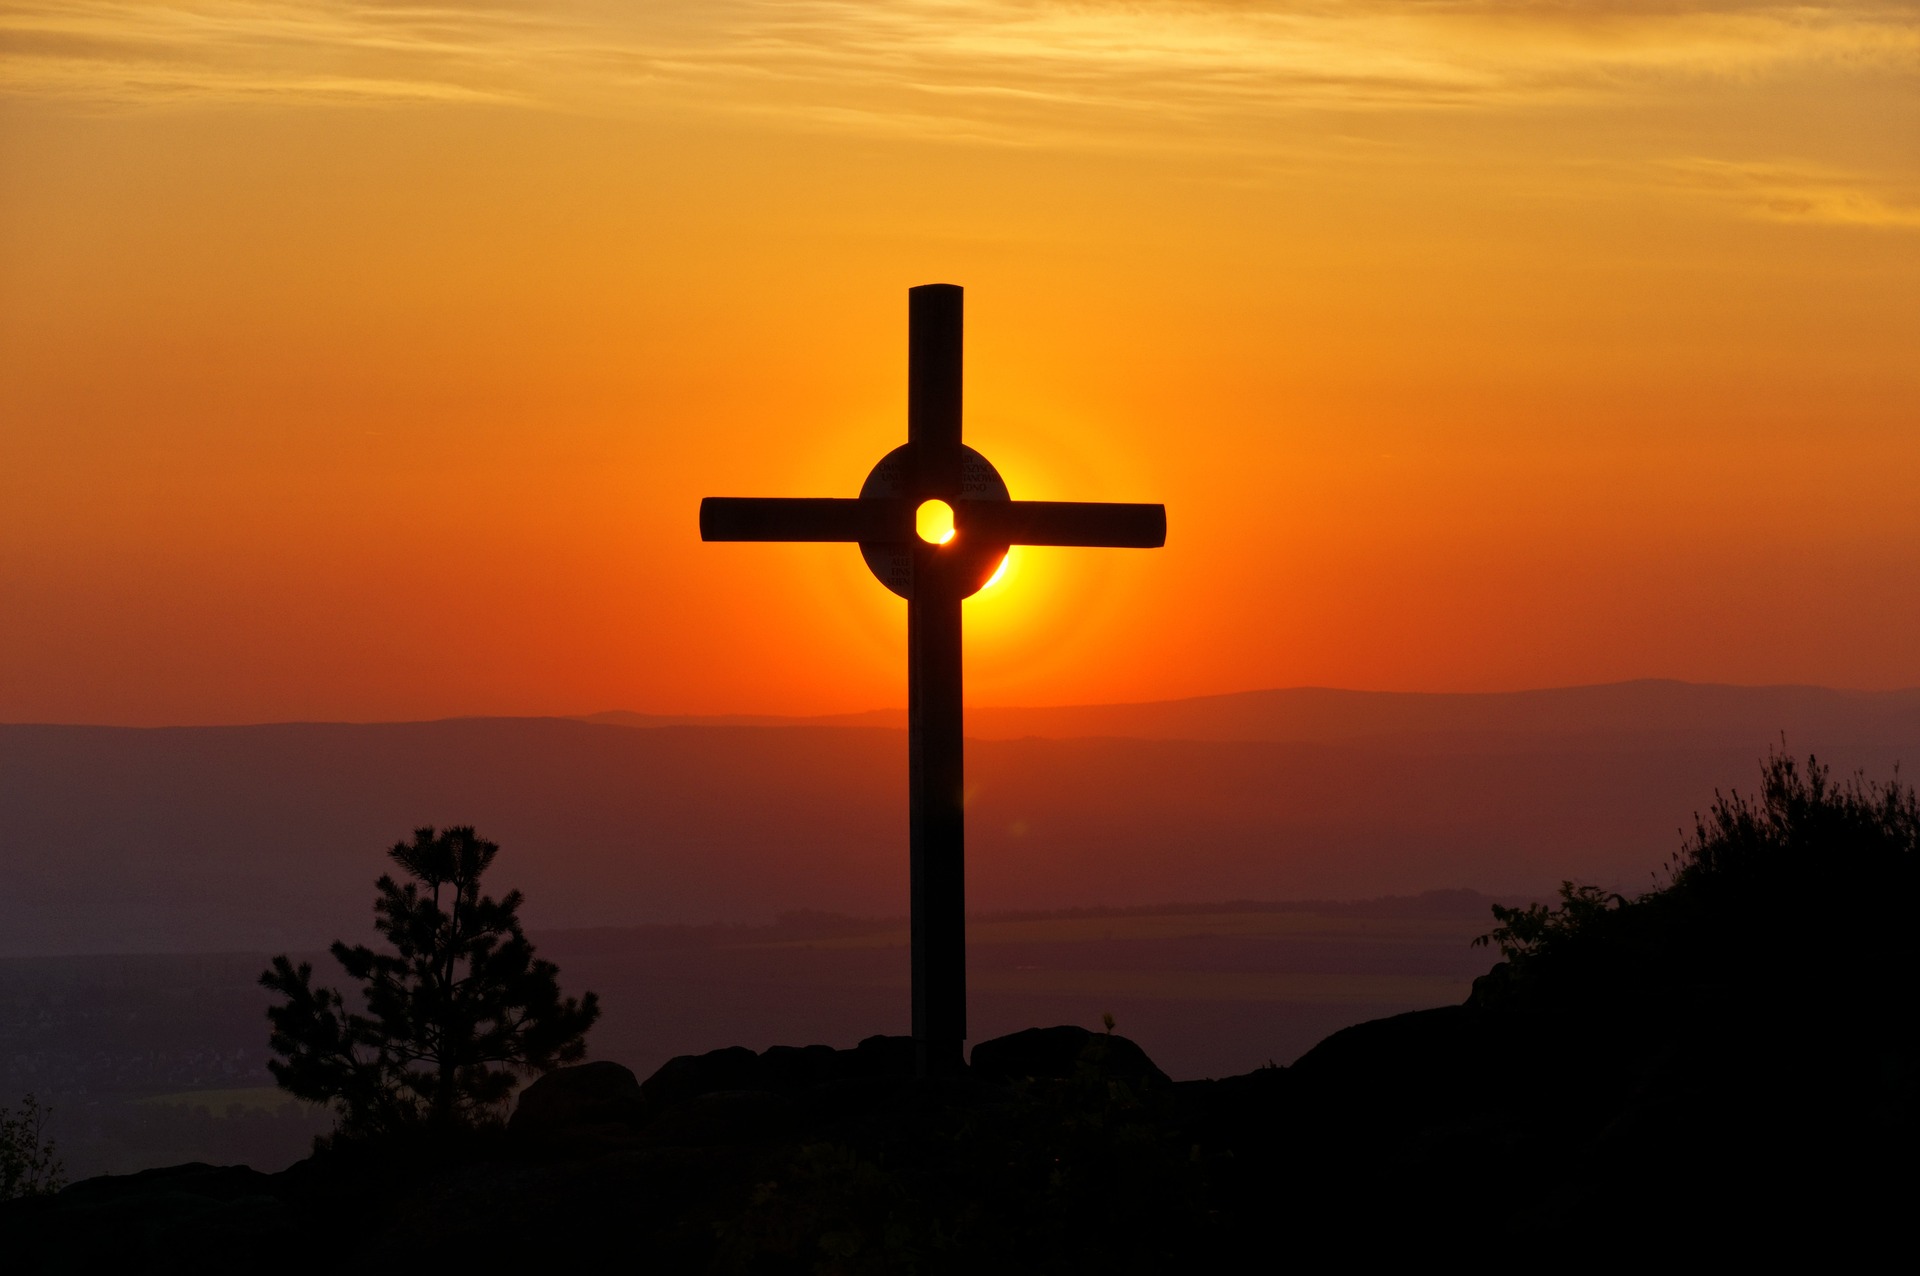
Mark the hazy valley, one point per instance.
(710, 880)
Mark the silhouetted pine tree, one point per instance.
(454, 1014)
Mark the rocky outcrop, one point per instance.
(196, 1217)
(587, 1094)
(1439, 1135)
(604, 1094)
(1064, 1052)
(777, 1069)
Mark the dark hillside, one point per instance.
(1673, 1061)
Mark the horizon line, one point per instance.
(747, 718)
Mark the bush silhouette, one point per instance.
(28, 1164)
(1806, 855)
(455, 1014)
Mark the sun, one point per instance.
(934, 522)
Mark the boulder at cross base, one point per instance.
(689, 1076)
(1062, 1052)
(778, 1069)
(587, 1094)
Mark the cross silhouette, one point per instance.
(934, 520)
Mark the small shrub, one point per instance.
(1525, 933)
(28, 1163)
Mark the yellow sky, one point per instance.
(369, 361)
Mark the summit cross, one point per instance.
(934, 520)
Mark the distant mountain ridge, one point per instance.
(192, 839)
(1644, 706)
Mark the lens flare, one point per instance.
(934, 522)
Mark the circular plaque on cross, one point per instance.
(891, 562)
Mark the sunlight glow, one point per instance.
(999, 572)
(1536, 267)
(934, 522)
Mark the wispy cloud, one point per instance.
(131, 54)
(1797, 193)
(1006, 70)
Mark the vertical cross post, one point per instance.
(935, 729)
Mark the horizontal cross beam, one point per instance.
(804, 518)
(1092, 523)
(879, 520)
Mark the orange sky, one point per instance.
(366, 361)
